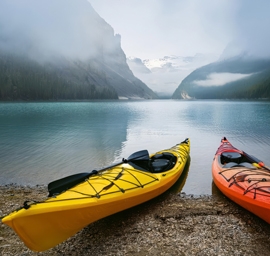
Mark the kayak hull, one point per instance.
(46, 224)
(243, 181)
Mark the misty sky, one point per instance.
(45, 28)
(155, 28)
(149, 29)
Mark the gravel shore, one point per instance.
(171, 224)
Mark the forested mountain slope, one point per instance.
(75, 55)
(240, 77)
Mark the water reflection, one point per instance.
(41, 142)
(216, 192)
(180, 183)
(242, 120)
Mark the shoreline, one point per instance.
(171, 224)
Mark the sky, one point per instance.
(45, 28)
(156, 28)
(211, 29)
(192, 33)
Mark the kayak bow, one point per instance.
(89, 197)
(242, 178)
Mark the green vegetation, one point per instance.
(256, 86)
(24, 79)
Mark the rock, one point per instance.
(168, 225)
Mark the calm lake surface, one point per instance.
(41, 142)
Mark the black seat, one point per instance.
(157, 163)
(227, 157)
(160, 164)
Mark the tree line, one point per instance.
(24, 79)
(255, 86)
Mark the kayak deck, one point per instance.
(42, 225)
(242, 180)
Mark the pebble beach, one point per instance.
(171, 224)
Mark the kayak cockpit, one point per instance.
(157, 163)
(162, 162)
(233, 159)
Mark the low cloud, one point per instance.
(43, 29)
(166, 73)
(187, 27)
(219, 79)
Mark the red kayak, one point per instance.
(242, 178)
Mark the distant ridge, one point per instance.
(75, 55)
(240, 77)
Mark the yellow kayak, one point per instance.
(78, 200)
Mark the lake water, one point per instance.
(41, 142)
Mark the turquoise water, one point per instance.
(41, 142)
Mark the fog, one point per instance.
(47, 28)
(163, 75)
(216, 30)
(149, 31)
(155, 28)
(218, 79)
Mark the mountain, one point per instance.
(62, 49)
(240, 77)
(163, 75)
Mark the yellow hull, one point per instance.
(46, 224)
